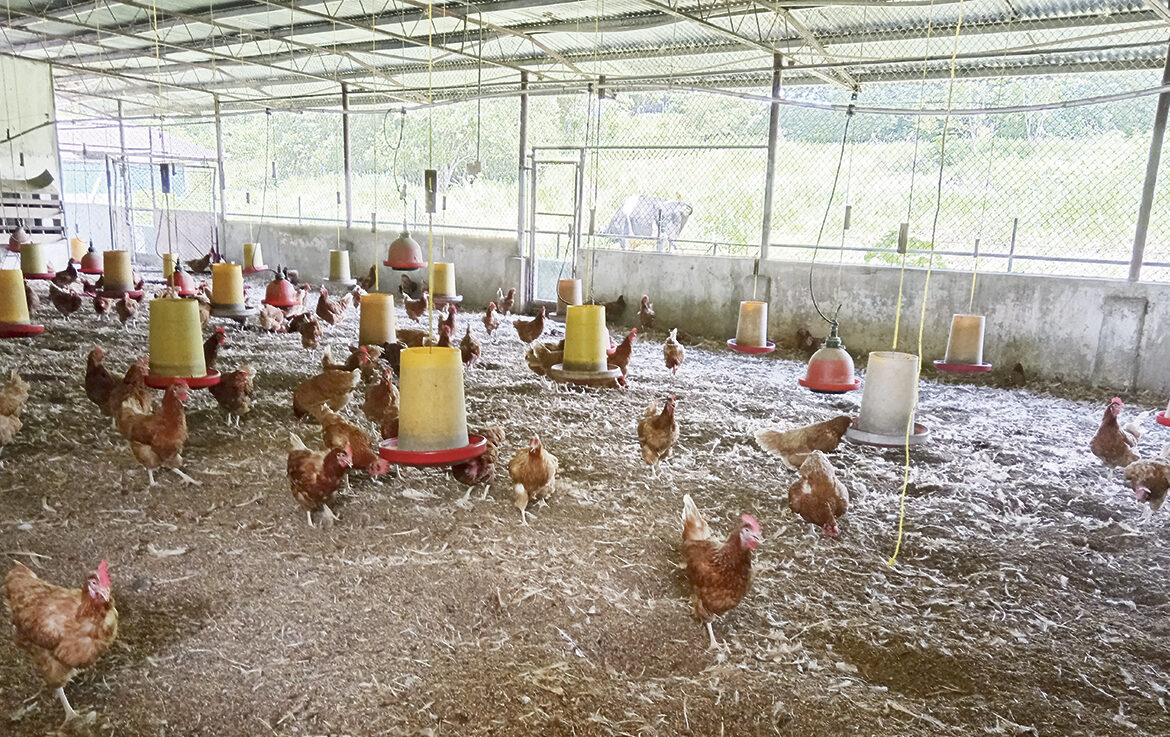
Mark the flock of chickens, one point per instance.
(68, 629)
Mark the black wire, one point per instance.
(828, 208)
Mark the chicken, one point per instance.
(359, 358)
(369, 281)
(381, 400)
(411, 337)
(204, 308)
(211, 347)
(13, 396)
(444, 340)
(328, 309)
(1113, 444)
(416, 308)
(234, 393)
(491, 321)
(1017, 378)
(806, 342)
(646, 314)
(449, 319)
(530, 330)
(126, 308)
(157, 439)
(309, 327)
(615, 309)
(64, 630)
(88, 288)
(66, 276)
(31, 299)
(1150, 479)
(544, 355)
(101, 305)
(314, 476)
(793, 446)
(534, 475)
(817, 496)
(719, 576)
(66, 301)
(658, 432)
(505, 300)
(99, 382)
(481, 470)
(341, 433)
(132, 392)
(620, 355)
(271, 319)
(673, 352)
(469, 348)
(328, 388)
(409, 288)
(203, 265)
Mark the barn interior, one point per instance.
(584, 367)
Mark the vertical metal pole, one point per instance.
(521, 208)
(345, 154)
(127, 204)
(1012, 245)
(1147, 204)
(219, 171)
(110, 200)
(770, 169)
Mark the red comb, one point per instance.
(1116, 400)
(104, 574)
(750, 521)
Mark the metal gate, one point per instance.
(554, 218)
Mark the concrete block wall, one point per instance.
(1086, 331)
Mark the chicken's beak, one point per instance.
(1143, 494)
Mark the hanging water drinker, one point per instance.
(830, 370)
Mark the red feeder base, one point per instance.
(1162, 419)
(155, 381)
(48, 275)
(19, 330)
(91, 271)
(256, 269)
(442, 300)
(388, 449)
(751, 349)
(962, 368)
(117, 293)
(829, 388)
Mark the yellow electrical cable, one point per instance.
(926, 290)
(430, 162)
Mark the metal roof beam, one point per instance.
(809, 38)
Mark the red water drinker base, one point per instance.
(280, 292)
(830, 370)
(155, 381)
(1162, 419)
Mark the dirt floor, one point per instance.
(1029, 596)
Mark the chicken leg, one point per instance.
(187, 478)
(714, 643)
(328, 517)
(70, 714)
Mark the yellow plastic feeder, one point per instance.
(443, 284)
(751, 332)
(32, 262)
(376, 321)
(14, 318)
(253, 259)
(168, 265)
(888, 402)
(77, 249)
(965, 346)
(585, 342)
(432, 417)
(227, 292)
(569, 293)
(117, 276)
(176, 345)
(339, 272)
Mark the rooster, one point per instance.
(505, 300)
(534, 476)
(793, 446)
(719, 575)
(469, 348)
(481, 470)
(620, 355)
(64, 630)
(328, 309)
(490, 320)
(1113, 444)
(646, 314)
(416, 308)
(315, 476)
(817, 496)
(211, 347)
(530, 330)
(157, 439)
(66, 301)
(673, 352)
(234, 393)
(657, 433)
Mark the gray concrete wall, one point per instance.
(1086, 331)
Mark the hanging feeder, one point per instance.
(183, 282)
(443, 283)
(432, 417)
(830, 370)
(18, 239)
(888, 402)
(91, 262)
(751, 333)
(965, 347)
(586, 339)
(405, 254)
(14, 318)
(569, 293)
(339, 273)
(117, 276)
(280, 292)
(227, 292)
(253, 259)
(176, 345)
(32, 262)
(377, 323)
(76, 250)
(1163, 417)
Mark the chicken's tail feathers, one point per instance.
(1134, 429)
(295, 442)
(694, 526)
(673, 334)
(773, 442)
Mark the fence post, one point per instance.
(521, 184)
(770, 170)
(345, 155)
(222, 245)
(1143, 221)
